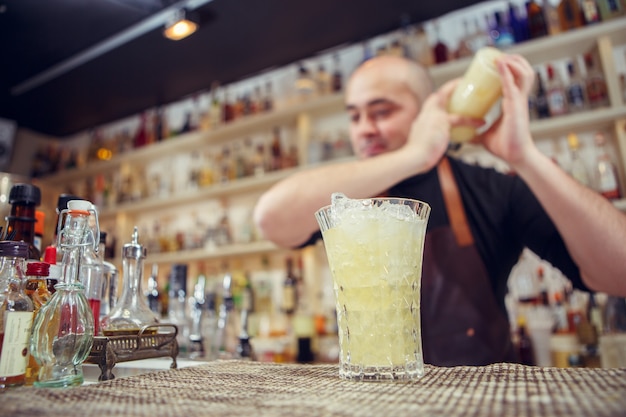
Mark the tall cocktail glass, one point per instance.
(375, 248)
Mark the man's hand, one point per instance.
(509, 137)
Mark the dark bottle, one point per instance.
(597, 92)
(524, 344)
(152, 294)
(575, 89)
(290, 285)
(590, 11)
(24, 198)
(570, 15)
(518, 24)
(337, 78)
(537, 26)
(440, 50)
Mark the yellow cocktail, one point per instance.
(374, 249)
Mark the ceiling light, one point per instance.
(179, 27)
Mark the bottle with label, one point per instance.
(16, 315)
(40, 218)
(24, 198)
(605, 173)
(305, 84)
(37, 290)
(110, 277)
(63, 329)
(557, 100)
(518, 24)
(570, 15)
(552, 18)
(323, 79)
(597, 92)
(577, 168)
(576, 97)
(524, 343)
(590, 11)
(215, 109)
(420, 45)
(290, 289)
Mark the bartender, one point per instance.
(481, 220)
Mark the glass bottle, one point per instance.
(290, 300)
(440, 50)
(597, 92)
(537, 26)
(501, 32)
(557, 100)
(541, 100)
(337, 78)
(610, 9)
(37, 290)
(63, 330)
(576, 98)
(551, 16)
(570, 16)
(131, 312)
(152, 294)
(16, 315)
(578, 170)
(91, 276)
(24, 198)
(590, 11)
(109, 281)
(605, 173)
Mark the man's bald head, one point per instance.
(396, 69)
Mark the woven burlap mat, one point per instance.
(236, 388)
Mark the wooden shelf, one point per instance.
(206, 254)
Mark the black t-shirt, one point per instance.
(504, 217)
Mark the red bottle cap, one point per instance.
(50, 255)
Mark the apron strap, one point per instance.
(454, 204)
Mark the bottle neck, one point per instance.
(21, 227)
(11, 277)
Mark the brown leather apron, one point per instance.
(461, 321)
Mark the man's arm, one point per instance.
(592, 229)
(285, 213)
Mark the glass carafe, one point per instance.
(131, 313)
(63, 330)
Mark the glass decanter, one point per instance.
(131, 313)
(63, 329)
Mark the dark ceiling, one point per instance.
(237, 38)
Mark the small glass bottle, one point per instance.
(131, 312)
(36, 288)
(152, 294)
(63, 329)
(24, 198)
(576, 98)
(557, 100)
(290, 297)
(16, 315)
(578, 170)
(606, 182)
(597, 92)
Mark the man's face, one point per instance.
(381, 110)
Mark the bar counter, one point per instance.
(238, 388)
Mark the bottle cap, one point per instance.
(39, 269)
(63, 200)
(25, 194)
(134, 250)
(50, 255)
(82, 205)
(14, 249)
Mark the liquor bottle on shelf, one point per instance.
(518, 23)
(421, 47)
(576, 97)
(440, 50)
(276, 149)
(557, 100)
(590, 11)
(524, 343)
(605, 173)
(110, 277)
(597, 92)
(551, 15)
(323, 80)
(337, 78)
(570, 15)
(577, 167)
(610, 9)
(537, 26)
(91, 274)
(290, 284)
(228, 111)
(16, 311)
(268, 98)
(215, 110)
(501, 32)
(305, 85)
(24, 199)
(152, 293)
